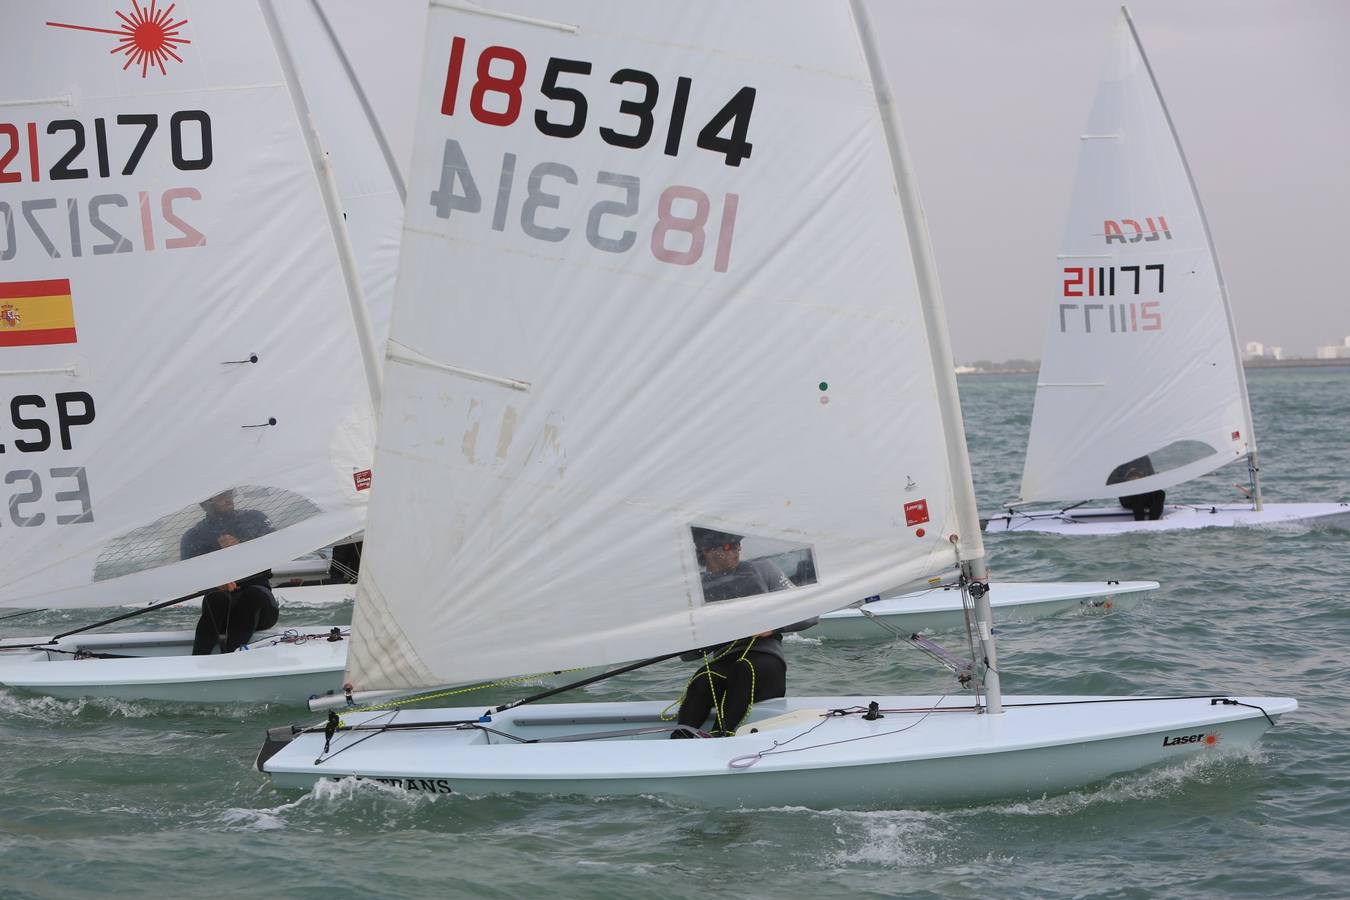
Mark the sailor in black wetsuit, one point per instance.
(1144, 506)
(239, 608)
(744, 671)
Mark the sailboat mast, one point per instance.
(371, 119)
(328, 188)
(970, 544)
(1250, 436)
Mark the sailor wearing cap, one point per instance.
(232, 612)
(735, 675)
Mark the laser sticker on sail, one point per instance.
(916, 512)
(733, 565)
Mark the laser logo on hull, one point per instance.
(1209, 739)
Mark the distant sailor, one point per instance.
(745, 671)
(231, 612)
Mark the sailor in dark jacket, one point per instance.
(1144, 506)
(237, 609)
(745, 671)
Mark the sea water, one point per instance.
(109, 798)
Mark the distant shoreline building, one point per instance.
(1031, 367)
(1335, 351)
(1258, 350)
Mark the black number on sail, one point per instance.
(62, 169)
(735, 113)
(552, 90)
(638, 109)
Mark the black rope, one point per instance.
(377, 729)
(1229, 701)
(133, 614)
(90, 654)
(27, 612)
(585, 681)
(329, 730)
(1012, 511)
(1214, 700)
(1118, 700)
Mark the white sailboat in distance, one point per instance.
(649, 283)
(1141, 385)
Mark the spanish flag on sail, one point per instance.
(36, 312)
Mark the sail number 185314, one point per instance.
(497, 95)
(684, 226)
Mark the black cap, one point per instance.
(706, 538)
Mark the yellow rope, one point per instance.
(750, 706)
(719, 704)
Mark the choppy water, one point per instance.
(102, 799)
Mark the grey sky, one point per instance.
(993, 96)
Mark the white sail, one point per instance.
(1140, 385)
(656, 276)
(176, 320)
(367, 175)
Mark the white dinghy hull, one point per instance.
(912, 755)
(940, 609)
(284, 671)
(281, 666)
(1117, 520)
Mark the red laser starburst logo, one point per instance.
(148, 36)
